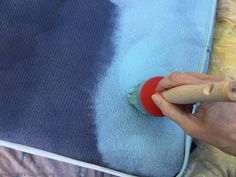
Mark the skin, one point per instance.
(213, 123)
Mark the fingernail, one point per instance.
(156, 100)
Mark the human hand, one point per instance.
(213, 122)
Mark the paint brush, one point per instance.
(140, 96)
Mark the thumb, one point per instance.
(184, 119)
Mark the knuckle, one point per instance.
(175, 76)
(167, 111)
(191, 128)
(190, 131)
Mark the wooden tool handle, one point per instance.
(187, 94)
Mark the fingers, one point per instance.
(184, 119)
(177, 79)
(210, 77)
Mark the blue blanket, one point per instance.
(66, 68)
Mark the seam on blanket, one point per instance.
(208, 38)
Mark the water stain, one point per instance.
(56, 53)
(20, 23)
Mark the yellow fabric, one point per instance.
(206, 160)
(223, 56)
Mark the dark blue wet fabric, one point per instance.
(50, 62)
(66, 67)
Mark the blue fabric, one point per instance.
(66, 68)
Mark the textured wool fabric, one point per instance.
(66, 68)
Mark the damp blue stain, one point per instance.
(52, 53)
(152, 38)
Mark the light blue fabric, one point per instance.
(153, 37)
